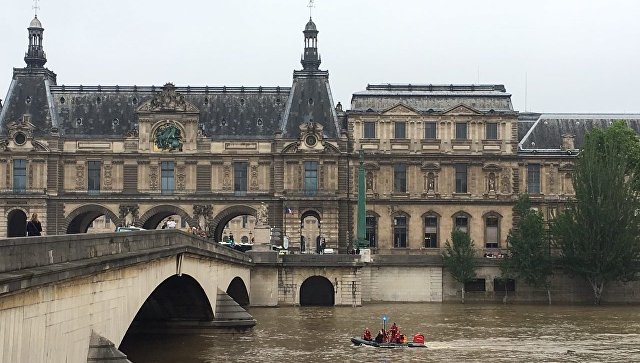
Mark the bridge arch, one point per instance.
(79, 220)
(317, 291)
(16, 223)
(152, 218)
(216, 227)
(238, 291)
(178, 297)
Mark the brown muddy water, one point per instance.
(454, 333)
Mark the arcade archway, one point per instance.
(81, 219)
(237, 221)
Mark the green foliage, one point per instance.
(624, 140)
(528, 258)
(599, 235)
(459, 257)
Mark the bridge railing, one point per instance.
(32, 252)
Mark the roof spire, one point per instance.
(36, 7)
(310, 6)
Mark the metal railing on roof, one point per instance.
(185, 90)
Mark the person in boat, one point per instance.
(366, 335)
(394, 332)
(380, 337)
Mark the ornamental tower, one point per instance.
(310, 59)
(35, 56)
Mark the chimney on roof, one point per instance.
(568, 141)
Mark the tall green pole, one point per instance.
(361, 237)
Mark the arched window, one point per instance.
(492, 230)
(371, 233)
(400, 231)
(462, 222)
(431, 222)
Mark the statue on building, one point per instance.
(431, 182)
(169, 137)
(506, 188)
(369, 181)
(492, 182)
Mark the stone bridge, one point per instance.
(73, 298)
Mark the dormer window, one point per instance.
(20, 138)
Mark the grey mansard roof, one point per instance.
(225, 112)
(543, 132)
(432, 98)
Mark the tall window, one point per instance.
(310, 177)
(461, 222)
(430, 130)
(461, 178)
(431, 231)
(492, 237)
(93, 176)
(491, 131)
(168, 182)
(461, 131)
(400, 178)
(400, 130)
(19, 176)
(369, 130)
(533, 178)
(371, 230)
(400, 231)
(240, 178)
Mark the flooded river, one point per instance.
(454, 333)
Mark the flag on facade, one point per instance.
(287, 210)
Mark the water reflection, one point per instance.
(482, 333)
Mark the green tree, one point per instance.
(529, 257)
(598, 235)
(459, 258)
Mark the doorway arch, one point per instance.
(17, 223)
(317, 291)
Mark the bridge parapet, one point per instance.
(29, 252)
(30, 261)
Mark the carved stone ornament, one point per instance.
(168, 101)
(181, 178)
(311, 136)
(128, 208)
(108, 181)
(128, 213)
(202, 210)
(262, 215)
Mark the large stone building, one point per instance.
(437, 157)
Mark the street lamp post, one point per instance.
(361, 240)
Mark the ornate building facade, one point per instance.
(437, 157)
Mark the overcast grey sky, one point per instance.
(578, 55)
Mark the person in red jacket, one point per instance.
(395, 331)
(366, 335)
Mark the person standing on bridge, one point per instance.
(171, 224)
(34, 228)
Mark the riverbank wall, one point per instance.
(356, 280)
